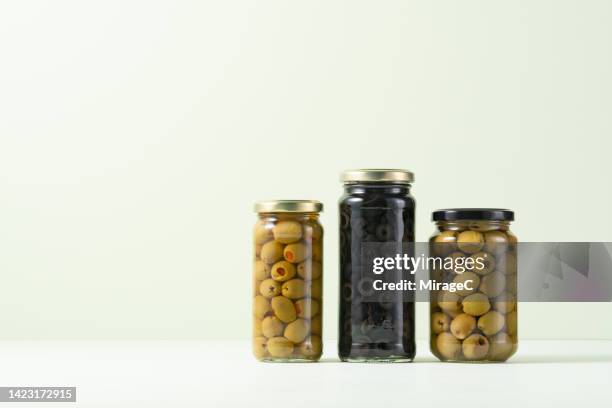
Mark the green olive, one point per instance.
(315, 288)
(462, 326)
(444, 243)
(271, 252)
(309, 270)
(262, 233)
(294, 289)
(476, 304)
(311, 346)
(505, 302)
(496, 242)
(446, 237)
(287, 232)
(316, 325)
(307, 308)
(296, 252)
(484, 263)
(297, 330)
(283, 309)
(475, 347)
(482, 226)
(432, 345)
(280, 347)
(493, 284)
(261, 306)
(317, 251)
(256, 284)
(282, 271)
(454, 313)
(511, 282)
(511, 323)
(313, 231)
(507, 263)
(261, 270)
(467, 278)
(269, 288)
(260, 347)
(257, 328)
(271, 326)
(439, 322)
(450, 302)
(470, 242)
(257, 251)
(453, 267)
(491, 322)
(500, 347)
(448, 346)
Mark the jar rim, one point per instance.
(400, 176)
(288, 206)
(473, 214)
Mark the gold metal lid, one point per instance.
(377, 175)
(293, 206)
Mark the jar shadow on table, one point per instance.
(561, 359)
(520, 360)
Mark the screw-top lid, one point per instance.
(377, 175)
(473, 214)
(289, 206)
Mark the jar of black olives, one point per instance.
(376, 212)
(287, 281)
(473, 314)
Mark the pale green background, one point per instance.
(135, 136)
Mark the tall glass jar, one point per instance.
(376, 209)
(288, 281)
(476, 322)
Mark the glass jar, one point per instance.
(376, 209)
(288, 281)
(477, 321)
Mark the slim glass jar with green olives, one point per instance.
(477, 322)
(288, 281)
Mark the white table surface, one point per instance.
(224, 374)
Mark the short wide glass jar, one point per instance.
(477, 321)
(376, 213)
(288, 281)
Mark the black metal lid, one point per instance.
(474, 214)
